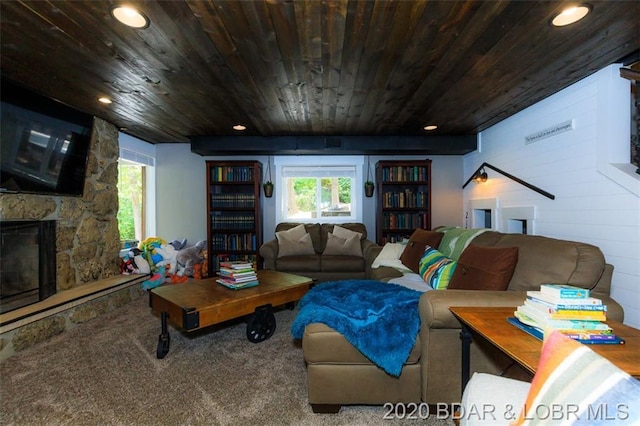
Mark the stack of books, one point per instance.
(237, 274)
(568, 309)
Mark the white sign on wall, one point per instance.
(550, 131)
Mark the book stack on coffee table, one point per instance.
(237, 274)
(568, 309)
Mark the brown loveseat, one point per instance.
(318, 265)
(338, 374)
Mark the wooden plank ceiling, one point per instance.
(331, 67)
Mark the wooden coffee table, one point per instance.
(202, 303)
(491, 324)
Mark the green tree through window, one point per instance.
(130, 198)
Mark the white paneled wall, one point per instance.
(589, 206)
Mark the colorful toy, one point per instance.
(168, 254)
(189, 257)
(156, 280)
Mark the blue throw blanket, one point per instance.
(380, 320)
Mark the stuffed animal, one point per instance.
(168, 254)
(156, 280)
(142, 266)
(134, 263)
(189, 257)
(149, 249)
(178, 245)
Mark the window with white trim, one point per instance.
(319, 193)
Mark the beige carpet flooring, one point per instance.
(105, 372)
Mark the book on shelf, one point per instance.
(555, 313)
(564, 291)
(589, 338)
(236, 286)
(539, 295)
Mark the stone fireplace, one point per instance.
(87, 245)
(27, 262)
(87, 238)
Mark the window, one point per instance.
(136, 189)
(130, 198)
(319, 193)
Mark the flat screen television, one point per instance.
(44, 144)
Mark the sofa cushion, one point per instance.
(345, 233)
(344, 246)
(341, 263)
(313, 229)
(302, 246)
(436, 269)
(305, 263)
(322, 344)
(418, 242)
(390, 256)
(574, 263)
(484, 268)
(571, 375)
(327, 228)
(293, 234)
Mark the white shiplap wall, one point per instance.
(589, 206)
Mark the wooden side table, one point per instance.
(491, 324)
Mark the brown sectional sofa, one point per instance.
(320, 266)
(338, 374)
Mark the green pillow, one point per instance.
(436, 269)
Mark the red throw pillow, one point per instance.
(419, 240)
(484, 268)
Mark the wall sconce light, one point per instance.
(480, 175)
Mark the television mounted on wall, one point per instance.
(44, 144)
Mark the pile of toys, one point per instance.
(168, 262)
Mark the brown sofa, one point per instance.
(339, 375)
(319, 266)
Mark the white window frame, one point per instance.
(319, 162)
(139, 152)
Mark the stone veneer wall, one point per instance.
(87, 241)
(87, 237)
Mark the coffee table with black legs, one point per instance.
(201, 303)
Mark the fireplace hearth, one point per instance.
(27, 262)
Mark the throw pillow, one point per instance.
(302, 246)
(573, 377)
(341, 246)
(418, 242)
(293, 234)
(436, 269)
(484, 268)
(345, 233)
(389, 256)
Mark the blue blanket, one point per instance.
(380, 320)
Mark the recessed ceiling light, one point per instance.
(430, 127)
(104, 100)
(130, 16)
(571, 15)
(239, 127)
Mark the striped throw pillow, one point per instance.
(575, 385)
(436, 269)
